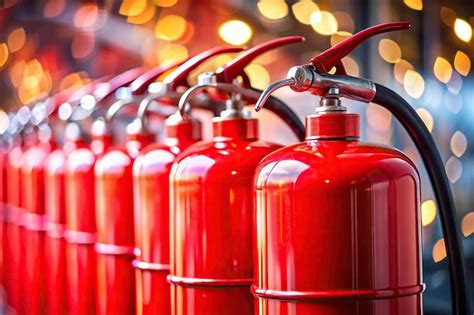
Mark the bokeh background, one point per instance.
(50, 45)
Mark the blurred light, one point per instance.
(324, 22)
(426, 117)
(235, 32)
(65, 111)
(302, 11)
(16, 39)
(86, 16)
(344, 22)
(132, 7)
(170, 27)
(467, 224)
(16, 72)
(414, 84)
(88, 102)
(273, 9)
(172, 53)
(165, 3)
(453, 169)
(82, 45)
(448, 16)
(389, 50)
(339, 36)
(442, 70)
(463, 30)
(378, 118)
(458, 143)
(453, 102)
(54, 8)
(414, 4)
(143, 17)
(428, 212)
(258, 75)
(400, 69)
(351, 66)
(23, 115)
(4, 121)
(462, 63)
(46, 82)
(72, 79)
(439, 251)
(3, 54)
(455, 83)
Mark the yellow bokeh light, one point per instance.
(442, 69)
(132, 7)
(463, 30)
(3, 54)
(400, 69)
(86, 16)
(172, 53)
(462, 63)
(170, 27)
(324, 22)
(235, 32)
(72, 79)
(425, 115)
(390, 51)
(16, 39)
(165, 3)
(458, 143)
(273, 9)
(414, 4)
(439, 251)
(453, 169)
(351, 66)
(467, 224)
(258, 75)
(428, 212)
(339, 36)
(143, 17)
(448, 16)
(302, 11)
(414, 84)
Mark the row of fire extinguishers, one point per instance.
(233, 225)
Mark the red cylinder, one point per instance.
(3, 207)
(55, 227)
(80, 234)
(115, 233)
(151, 172)
(32, 172)
(337, 226)
(211, 216)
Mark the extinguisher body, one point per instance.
(211, 220)
(151, 171)
(55, 227)
(80, 234)
(33, 195)
(337, 226)
(13, 243)
(115, 227)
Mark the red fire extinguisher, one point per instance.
(211, 202)
(337, 220)
(80, 227)
(151, 185)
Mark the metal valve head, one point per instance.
(314, 77)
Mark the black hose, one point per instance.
(285, 113)
(434, 165)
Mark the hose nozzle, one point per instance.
(269, 91)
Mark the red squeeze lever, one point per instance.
(332, 57)
(236, 67)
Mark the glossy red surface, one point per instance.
(151, 172)
(55, 224)
(80, 232)
(33, 199)
(211, 210)
(115, 227)
(337, 230)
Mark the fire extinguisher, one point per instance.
(211, 200)
(80, 227)
(151, 186)
(337, 220)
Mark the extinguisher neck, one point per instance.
(179, 130)
(235, 128)
(332, 126)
